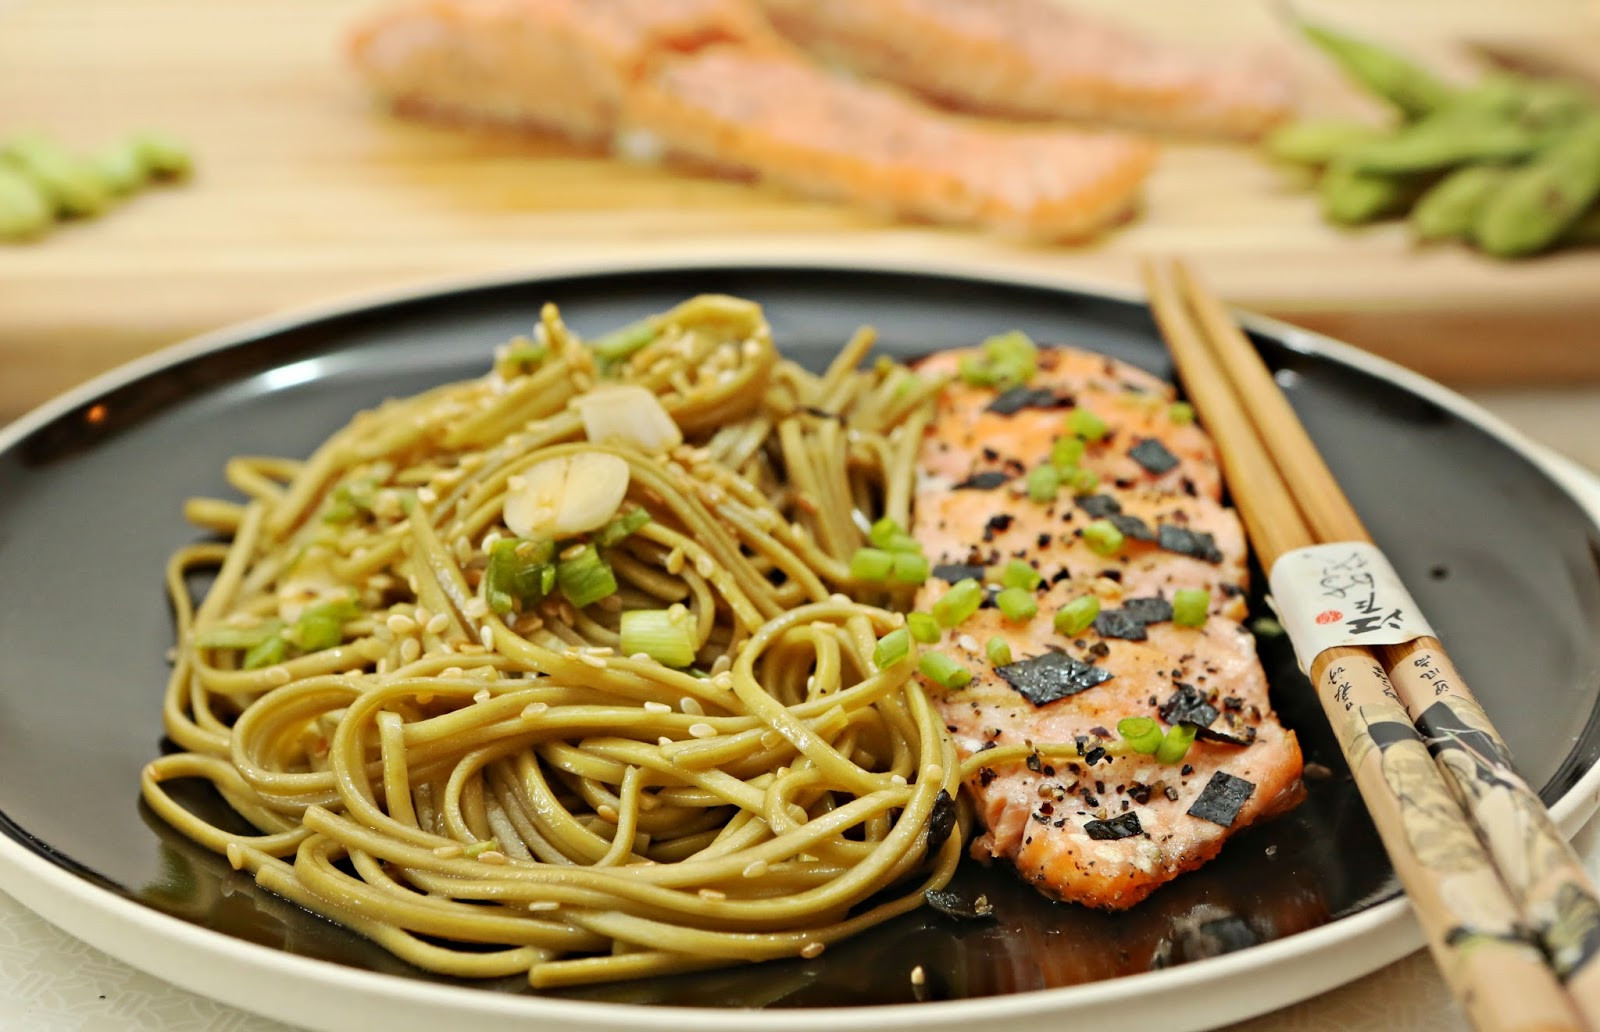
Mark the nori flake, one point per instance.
(1188, 705)
(1124, 825)
(1153, 456)
(1100, 506)
(1054, 675)
(983, 481)
(941, 821)
(1149, 608)
(1193, 543)
(1132, 527)
(952, 572)
(1019, 398)
(1220, 801)
(1119, 623)
(1241, 736)
(953, 904)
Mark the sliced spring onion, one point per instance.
(910, 568)
(585, 578)
(1142, 734)
(1044, 482)
(1018, 574)
(617, 345)
(521, 357)
(884, 531)
(871, 564)
(1175, 745)
(321, 626)
(618, 529)
(975, 372)
(960, 602)
(1086, 424)
(923, 627)
(665, 635)
(998, 651)
(1066, 453)
(1076, 616)
(351, 500)
(1181, 412)
(238, 637)
(476, 849)
(944, 671)
(518, 570)
(1189, 606)
(273, 650)
(1083, 481)
(892, 648)
(1017, 604)
(1013, 357)
(1103, 537)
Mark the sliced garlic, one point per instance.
(629, 414)
(566, 495)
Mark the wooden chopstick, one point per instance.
(1471, 920)
(1547, 881)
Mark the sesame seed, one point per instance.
(543, 904)
(897, 779)
(690, 705)
(493, 856)
(426, 495)
(436, 624)
(410, 649)
(663, 740)
(451, 671)
(641, 657)
(932, 772)
(482, 695)
(607, 813)
(277, 675)
(448, 850)
(704, 566)
(724, 681)
(713, 894)
(573, 551)
(968, 642)
(476, 608)
(702, 730)
(918, 976)
(399, 623)
(487, 637)
(721, 664)
(657, 707)
(812, 950)
(533, 709)
(674, 563)
(755, 869)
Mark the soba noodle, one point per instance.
(486, 789)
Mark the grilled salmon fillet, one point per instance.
(1038, 59)
(1099, 829)
(711, 80)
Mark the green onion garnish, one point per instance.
(884, 532)
(975, 372)
(238, 637)
(1043, 483)
(585, 578)
(521, 357)
(871, 564)
(1076, 616)
(1103, 537)
(1066, 453)
(1017, 604)
(519, 571)
(617, 345)
(998, 651)
(665, 635)
(1083, 481)
(1142, 734)
(621, 527)
(474, 850)
(351, 500)
(1013, 357)
(1086, 424)
(1189, 606)
(273, 650)
(944, 671)
(1175, 746)
(321, 626)
(1018, 574)
(910, 568)
(923, 627)
(892, 648)
(960, 602)
(1181, 412)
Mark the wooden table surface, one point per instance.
(306, 192)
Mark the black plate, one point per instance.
(1503, 560)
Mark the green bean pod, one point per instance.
(1450, 207)
(1317, 143)
(72, 183)
(1541, 200)
(163, 156)
(121, 168)
(1351, 197)
(1445, 140)
(24, 209)
(1408, 86)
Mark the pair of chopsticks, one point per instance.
(1511, 918)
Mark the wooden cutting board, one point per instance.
(307, 192)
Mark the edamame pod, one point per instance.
(24, 210)
(121, 168)
(1541, 200)
(1444, 140)
(1351, 197)
(1408, 86)
(1318, 142)
(1450, 207)
(163, 156)
(72, 183)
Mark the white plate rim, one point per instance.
(327, 996)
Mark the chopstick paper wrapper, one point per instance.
(1342, 593)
